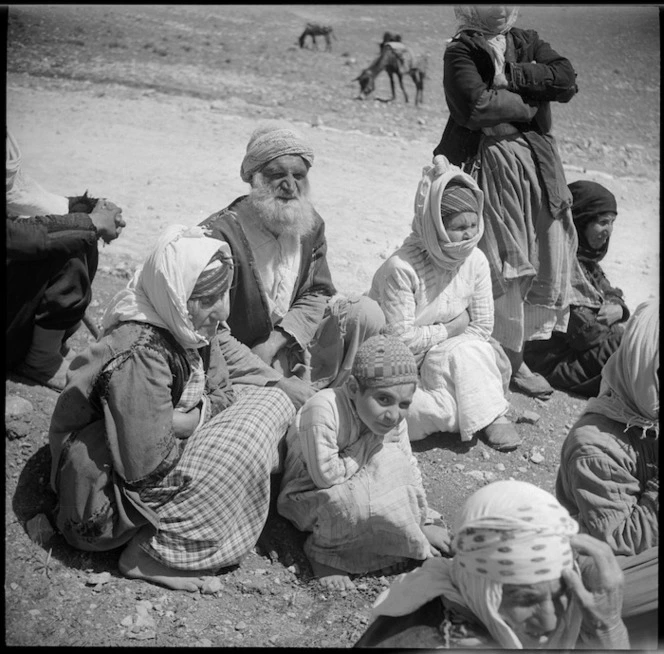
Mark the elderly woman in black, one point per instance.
(499, 81)
(573, 360)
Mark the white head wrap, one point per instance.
(429, 232)
(469, 18)
(629, 392)
(506, 525)
(159, 290)
(272, 140)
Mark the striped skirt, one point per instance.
(532, 254)
(213, 505)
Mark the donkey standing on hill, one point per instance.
(313, 30)
(395, 64)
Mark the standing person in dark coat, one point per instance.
(51, 260)
(573, 360)
(499, 81)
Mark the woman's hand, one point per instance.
(609, 313)
(599, 591)
(458, 325)
(500, 81)
(184, 424)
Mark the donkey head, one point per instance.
(367, 85)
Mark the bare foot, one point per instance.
(134, 563)
(439, 539)
(332, 578)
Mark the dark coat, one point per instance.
(536, 73)
(250, 320)
(51, 262)
(573, 361)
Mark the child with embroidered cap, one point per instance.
(350, 477)
(436, 294)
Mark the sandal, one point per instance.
(501, 435)
(534, 385)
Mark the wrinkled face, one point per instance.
(381, 409)
(286, 177)
(206, 313)
(599, 230)
(461, 226)
(495, 17)
(280, 196)
(534, 610)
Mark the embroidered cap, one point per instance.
(384, 360)
(457, 198)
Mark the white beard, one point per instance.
(295, 217)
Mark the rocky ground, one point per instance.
(151, 106)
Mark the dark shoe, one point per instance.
(534, 385)
(501, 436)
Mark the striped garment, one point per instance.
(360, 495)
(213, 505)
(526, 245)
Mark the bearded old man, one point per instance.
(284, 305)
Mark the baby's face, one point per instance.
(382, 409)
(461, 226)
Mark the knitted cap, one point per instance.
(384, 361)
(272, 140)
(457, 198)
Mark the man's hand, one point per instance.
(599, 591)
(297, 390)
(610, 313)
(269, 348)
(107, 219)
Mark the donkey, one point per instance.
(389, 61)
(313, 30)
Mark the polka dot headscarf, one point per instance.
(513, 532)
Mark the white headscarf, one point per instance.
(158, 292)
(505, 526)
(469, 18)
(429, 232)
(629, 392)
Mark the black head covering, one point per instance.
(589, 200)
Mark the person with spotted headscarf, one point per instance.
(435, 292)
(608, 478)
(350, 478)
(500, 82)
(284, 305)
(154, 444)
(521, 577)
(573, 360)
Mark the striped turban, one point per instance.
(216, 277)
(457, 198)
(270, 141)
(384, 360)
